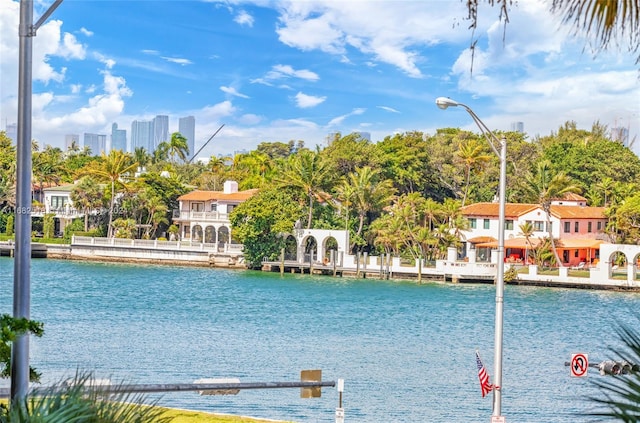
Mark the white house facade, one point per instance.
(578, 228)
(203, 216)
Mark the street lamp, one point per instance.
(22, 254)
(443, 103)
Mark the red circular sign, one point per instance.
(579, 365)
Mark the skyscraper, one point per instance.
(160, 130)
(517, 127)
(118, 138)
(96, 142)
(71, 141)
(142, 135)
(187, 127)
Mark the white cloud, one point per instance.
(177, 60)
(232, 91)
(388, 109)
(340, 119)
(305, 101)
(381, 30)
(243, 18)
(86, 32)
(286, 71)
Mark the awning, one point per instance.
(481, 239)
(512, 243)
(578, 244)
(565, 244)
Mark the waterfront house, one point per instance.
(578, 229)
(203, 216)
(57, 201)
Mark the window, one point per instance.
(58, 202)
(214, 207)
(197, 207)
(576, 227)
(486, 224)
(567, 227)
(538, 226)
(599, 226)
(589, 226)
(508, 225)
(472, 223)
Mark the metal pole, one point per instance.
(444, 103)
(497, 392)
(22, 254)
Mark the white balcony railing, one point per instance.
(211, 216)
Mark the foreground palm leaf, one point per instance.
(80, 400)
(621, 394)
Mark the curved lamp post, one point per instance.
(443, 103)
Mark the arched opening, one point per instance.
(618, 265)
(330, 244)
(210, 235)
(310, 249)
(290, 248)
(223, 235)
(196, 233)
(636, 266)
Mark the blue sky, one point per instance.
(301, 69)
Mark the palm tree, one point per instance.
(86, 196)
(544, 187)
(178, 147)
(603, 21)
(621, 395)
(527, 230)
(307, 172)
(369, 194)
(471, 154)
(141, 156)
(110, 169)
(47, 167)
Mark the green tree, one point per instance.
(10, 329)
(111, 169)
(405, 160)
(626, 220)
(527, 231)
(472, 155)
(370, 194)
(345, 154)
(87, 196)
(48, 225)
(546, 186)
(178, 147)
(260, 223)
(10, 222)
(307, 172)
(47, 167)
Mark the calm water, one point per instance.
(406, 351)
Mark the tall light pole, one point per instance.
(22, 253)
(443, 103)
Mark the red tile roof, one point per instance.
(513, 211)
(199, 195)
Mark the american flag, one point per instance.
(485, 386)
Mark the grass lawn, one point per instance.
(185, 416)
